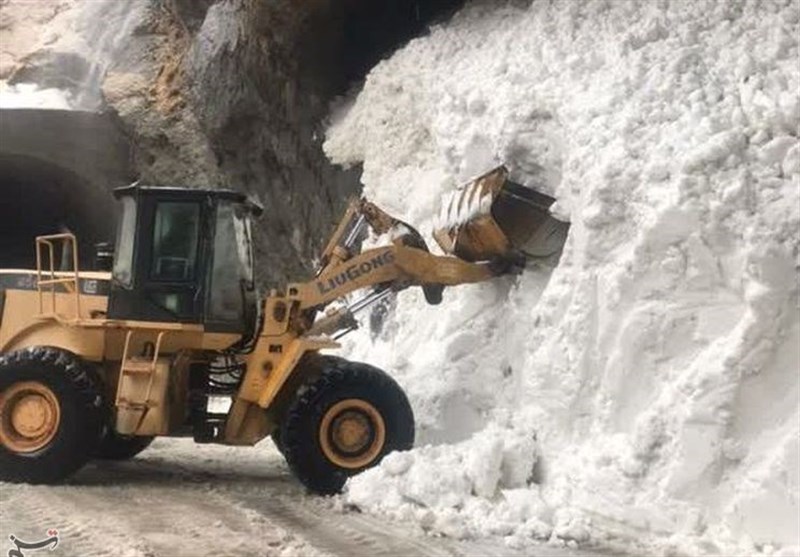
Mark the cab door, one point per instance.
(231, 295)
(168, 264)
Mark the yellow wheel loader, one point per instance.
(95, 364)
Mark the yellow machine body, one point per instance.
(146, 366)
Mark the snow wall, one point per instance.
(646, 390)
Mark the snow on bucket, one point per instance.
(493, 218)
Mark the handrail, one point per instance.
(151, 367)
(122, 366)
(49, 241)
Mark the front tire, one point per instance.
(51, 415)
(344, 422)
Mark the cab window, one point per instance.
(123, 259)
(175, 240)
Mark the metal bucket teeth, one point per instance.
(494, 218)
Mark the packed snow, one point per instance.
(645, 392)
(28, 95)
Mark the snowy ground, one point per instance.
(182, 499)
(647, 391)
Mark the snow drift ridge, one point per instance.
(649, 387)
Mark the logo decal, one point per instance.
(354, 271)
(90, 286)
(51, 540)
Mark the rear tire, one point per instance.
(344, 422)
(51, 415)
(118, 447)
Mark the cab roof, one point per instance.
(136, 189)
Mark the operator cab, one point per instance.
(186, 256)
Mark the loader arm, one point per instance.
(399, 266)
(403, 263)
(490, 226)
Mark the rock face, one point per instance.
(28, 27)
(226, 93)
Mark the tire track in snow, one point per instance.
(269, 492)
(351, 533)
(340, 534)
(132, 510)
(179, 498)
(262, 484)
(30, 511)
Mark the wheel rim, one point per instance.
(352, 433)
(29, 416)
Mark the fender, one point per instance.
(88, 342)
(23, 324)
(264, 385)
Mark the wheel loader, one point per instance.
(96, 363)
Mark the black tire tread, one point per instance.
(70, 376)
(341, 376)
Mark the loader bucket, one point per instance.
(492, 218)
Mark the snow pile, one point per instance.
(648, 388)
(28, 95)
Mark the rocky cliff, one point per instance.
(228, 93)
